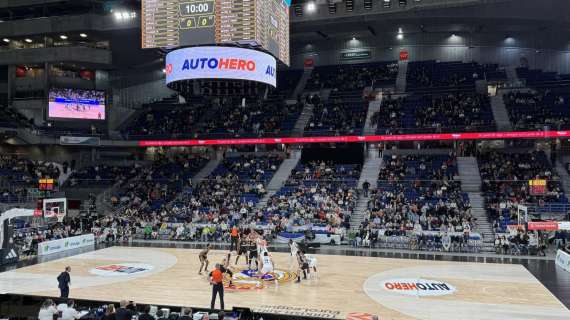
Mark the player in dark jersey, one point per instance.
(204, 258)
(253, 256)
(303, 265)
(242, 249)
(225, 268)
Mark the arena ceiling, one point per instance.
(545, 18)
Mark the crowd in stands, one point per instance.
(101, 175)
(432, 74)
(230, 119)
(125, 310)
(521, 243)
(157, 184)
(320, 193)
(389, 119)
(256, 119)
(337, 118)
(353, 77)
(167, 120)
(27, 236)
(505, 179)
(452, 112)
(418, 205)
(206, 210)
(462, 111)
(17, 175)
(536, 110)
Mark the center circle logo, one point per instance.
(417, 287)
(245, 279)
(121, 269)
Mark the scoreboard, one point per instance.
(179, 23)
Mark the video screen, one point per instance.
(265, 23)
(76, 104)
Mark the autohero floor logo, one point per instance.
(418, 287)
(121, 269)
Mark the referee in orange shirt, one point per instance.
(216, 280)
(234, 237)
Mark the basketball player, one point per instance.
(312, 261)
(253, 256)
(303, 266)
(242, 249)
(261, 245)
(294, 249)
(267, 264)
(225, 268)
(204, 258)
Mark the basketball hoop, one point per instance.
(60, 216)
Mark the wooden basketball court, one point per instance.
(390, 288)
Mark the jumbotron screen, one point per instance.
(179, 23)
(76, 104)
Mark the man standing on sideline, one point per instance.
(234, 238)
(64, 279)
(216, 280)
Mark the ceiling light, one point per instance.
(400, 36)
(311, 7)
(6, 40)
(83, 35)
(63, 37)
(28, 40)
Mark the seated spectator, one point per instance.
(69, 313)
(110, 313)
(47, 310)
(505, 179)
(536, 111)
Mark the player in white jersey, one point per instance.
(294, 249)
(312, 261)
(267, 264)
(261, 246)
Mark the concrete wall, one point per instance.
(68, 54)
(488, 48)
(137, 95)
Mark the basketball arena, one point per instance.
(284, 159)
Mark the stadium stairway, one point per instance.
(483, 225)
(500, 113)
(471, 183)
(206, 171)
(306, 114)
(302, 83)
(369, 127)
(370, 171)
(469, 174)
(401, 81)
(279, 178)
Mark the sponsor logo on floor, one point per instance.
(247, 279)
(121, 269)
(418, 287)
